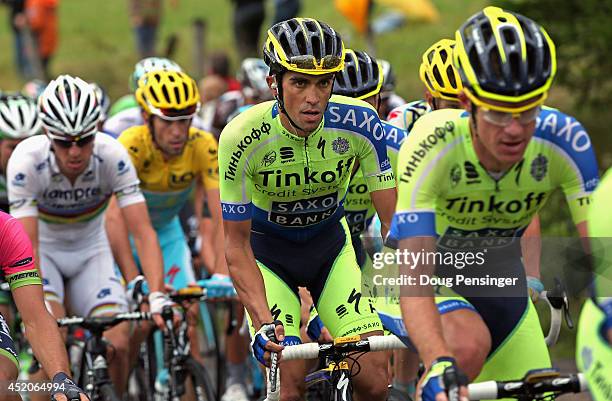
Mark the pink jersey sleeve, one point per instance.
(16, 258)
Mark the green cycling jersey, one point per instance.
(292, 186)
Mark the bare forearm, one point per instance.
(384, 202)
(118, 238)
(151, 259)
(417, 303)
(249, 284)
(531, 246)
(47, 343)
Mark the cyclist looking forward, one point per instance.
(285, 166)
(59, 186)
(486, 171)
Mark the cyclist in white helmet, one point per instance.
(59, 185)
(104, 102)
(125, 112)
(18, 121)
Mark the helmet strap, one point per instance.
(152, 130)
(280, 101)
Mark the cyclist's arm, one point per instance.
(119, 241)
(41, 329)
(30, 226)
(531, 245)
(245, 274)
(384, 202)
(417, 303)
(214, 206)
(138, 222)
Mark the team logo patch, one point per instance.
(340, 145)
(268, 158)
(286, 154)
(19, 180)
(455, 175)
(539, 167)
(471, 174)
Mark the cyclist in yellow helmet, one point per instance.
(169, 156)
(475, 178)
(285, 167)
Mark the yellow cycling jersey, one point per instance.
(167, 183)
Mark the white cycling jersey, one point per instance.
(69, 212)
(131, 117)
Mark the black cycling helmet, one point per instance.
(303, 45)
(361, 77)
(505, 56)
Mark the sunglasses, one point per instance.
(175, 114)
(504, 119)
(67, 143)
(308, 63)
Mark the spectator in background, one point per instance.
(285, 9)
(219, 65)
(17, 20)
(145, 16)
(248, 17)
(42, 18)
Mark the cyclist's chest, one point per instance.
(297, 169)
(157, 174)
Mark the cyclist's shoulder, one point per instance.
(251, 123)
(347, 115)
(562, 129)
(394, 135)
(33, 146)
(439, 123)
(136, 133)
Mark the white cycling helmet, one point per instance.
(18, 116)
(103, 100)
(149, 64)
(69, 107)
(252, 76)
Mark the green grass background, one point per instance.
(97, 44)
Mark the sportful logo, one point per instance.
(286, 154)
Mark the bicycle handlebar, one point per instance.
(532, 384)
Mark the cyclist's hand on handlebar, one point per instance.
(535, 288)
(441, 381)
(66, 389)
(157, 302)
(266, 340)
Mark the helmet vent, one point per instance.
(509, 36)
(443, 55)
(437, 75)
(451, 76)
(300, 41)
(316, 46)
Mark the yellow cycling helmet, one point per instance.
(438, 72)
(170, 95)
(303, 45)
(504, 56)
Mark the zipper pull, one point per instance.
(496, 185)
